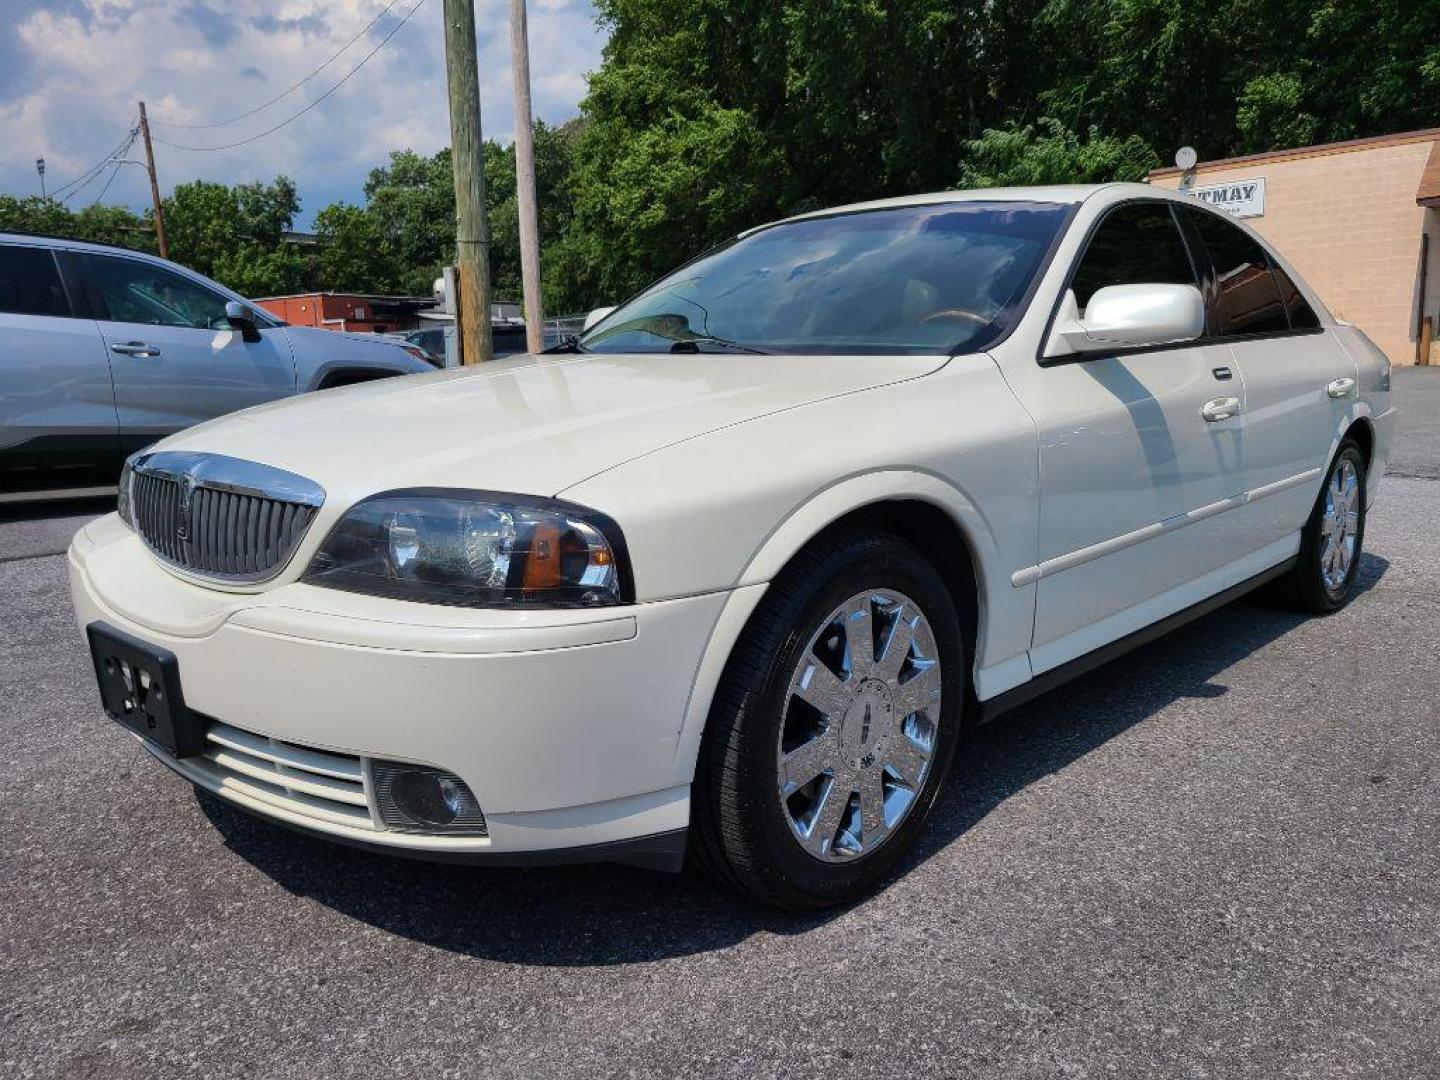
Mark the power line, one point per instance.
(116, 170)
(94, 170)
(90, 172)
(289, 120)
(286, 93)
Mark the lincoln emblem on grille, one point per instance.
(187, 491)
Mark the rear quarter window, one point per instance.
(1247, 299)
(1302, 315)
(30, 282)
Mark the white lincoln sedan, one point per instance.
(726, 577)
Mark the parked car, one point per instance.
(431, 340)
(104, 350)
(728, 576)
(507, 338)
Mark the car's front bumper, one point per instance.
(565, 724)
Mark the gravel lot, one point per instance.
(1218, 857)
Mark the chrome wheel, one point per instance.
(860, 725)
(1339, 527)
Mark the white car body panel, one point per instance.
(1091, 497)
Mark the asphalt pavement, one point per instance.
(1218, 857)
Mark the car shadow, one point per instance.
(597, 915)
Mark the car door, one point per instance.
(1300, 383)
(1134, 478)
(57, 408)
(174, 359)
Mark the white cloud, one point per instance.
(72, 71)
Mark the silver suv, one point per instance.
(104, 350)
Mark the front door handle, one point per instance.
(135, 348)
(1340, 388)
(1220, 408)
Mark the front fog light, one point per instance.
(419, 799)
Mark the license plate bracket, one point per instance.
(140, 690)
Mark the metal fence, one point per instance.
(561, 327)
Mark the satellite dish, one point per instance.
(1186, 157)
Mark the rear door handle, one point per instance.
(1220, 408)
(1340, 388)
(135, 348)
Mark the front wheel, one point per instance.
(1333, 538)
(834, 725)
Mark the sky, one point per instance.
(71, 72)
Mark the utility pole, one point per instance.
(525, 180)
(40, 168)
(472, 232)
(154, 185)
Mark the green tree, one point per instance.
(235, 234)
(1050, 153)
(95, 222)
(708, 115)
(354, 254)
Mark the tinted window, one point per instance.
(30, 282)
(913, 279)
(1247, 301)
(1302, 315)
(127, 290)
(1137, 244)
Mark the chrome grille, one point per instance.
(220, 517)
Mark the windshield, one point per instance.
(941, 278)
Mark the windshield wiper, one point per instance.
(692, 345)
(569, 344)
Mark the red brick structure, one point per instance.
(354, 312)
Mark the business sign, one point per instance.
(1243, 198)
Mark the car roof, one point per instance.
(54, 240)
(1060, 194)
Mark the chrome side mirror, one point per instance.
(1127, 317)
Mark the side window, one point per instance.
(1247, 299)
(1302, 315)
(1136, 244)
(128, 290)
(30, 282)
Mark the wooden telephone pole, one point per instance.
(525, 180)
(154, 185)
(472, 233)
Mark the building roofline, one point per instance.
(351, 295)
(1399, 138)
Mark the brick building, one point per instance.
(355, 312)
(1360, 220)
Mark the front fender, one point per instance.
(1003, 610)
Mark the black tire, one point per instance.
(740, 834)
(1305, 587)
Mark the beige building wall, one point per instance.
(1345, 216)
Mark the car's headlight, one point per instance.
(475, 549)
(122, 500)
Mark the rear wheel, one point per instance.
(834, 725)
(1333, 538)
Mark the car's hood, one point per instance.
(528, 424)
(376, 346)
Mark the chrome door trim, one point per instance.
(1050, 567)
